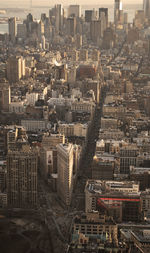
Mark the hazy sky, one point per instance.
(22, 3)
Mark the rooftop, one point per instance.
(129, 188)
(142, 236)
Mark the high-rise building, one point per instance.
(21, 31)
(43, 42)
(128, 157)
(109, 38)
(146, 8)
(40, 30)
(125, 18)
(65, 172)
(105, 11)
(58, 17)
(15, 68)
(48, 29)
(5, 97)
(88, 15)
(12, 28)
(22, 178)
(96, 30)
(71, 26)
(74, 10)
(29, 18)
(117, 9)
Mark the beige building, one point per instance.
(77, 129)
(15, 68)
(114, 111)
(65, 172)
(109, 123)
(83, 106)
(48, 153)
(114, 134)
(52, 140)
(93, 224)
(22, 178)
(96, 30)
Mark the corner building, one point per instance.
(65, 172)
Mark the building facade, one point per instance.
(22, 178)
(65, 172)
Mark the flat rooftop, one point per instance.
(113, 187)
(139, 170)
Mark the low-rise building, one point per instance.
(92, 226)
(120, 199)
(34, 125)
(141, 240)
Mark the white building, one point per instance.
(34, 125)
(31, 98)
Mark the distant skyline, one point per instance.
(22, 3)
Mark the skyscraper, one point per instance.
(146, 8)
(65, 172)
(22, 178)
(117, 9)
(74, 10)
(58, 17)
(40, 30)
(90, 15)
(71, 26)
(96, 30)
(12, 28)
(105, 11)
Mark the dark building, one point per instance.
(88, 15)
(71, 26)
(22, 178)
(141, 175)
(103, 170)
